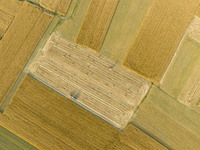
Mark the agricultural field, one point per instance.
(99, 74)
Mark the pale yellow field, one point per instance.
(105, 88)
(167, 120)
(124, 27)
(182, 78)
(71, 23)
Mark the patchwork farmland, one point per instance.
(99, 74)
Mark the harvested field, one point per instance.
(99, 74)
(92, 81)
(48, 120)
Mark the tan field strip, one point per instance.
(70, 28)
(159, 37)
(124, 27)
(96, 23)
(134, 138)
(48, 120)
(19, 42)
(5, 20)
(166, 119)
(8, 10)
(90, 80)
(57, 6)
(182, 78)
(10, 6)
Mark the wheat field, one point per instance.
(99, 74)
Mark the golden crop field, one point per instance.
(99, 74)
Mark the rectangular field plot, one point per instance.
(101, 86)
(182, 78)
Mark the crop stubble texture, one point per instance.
(48, 120)
(8, 10)
(57, 6)
(19, 42)
(91, 80)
